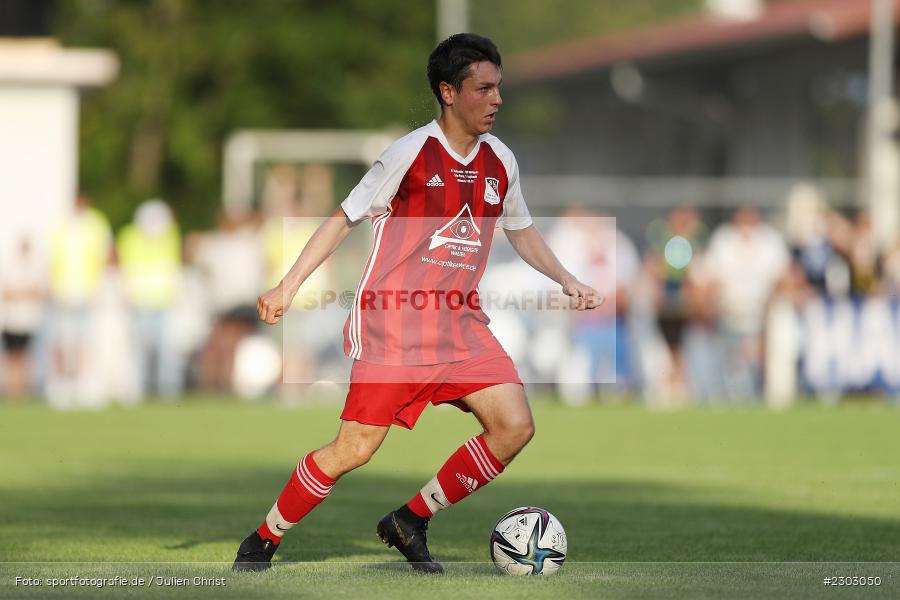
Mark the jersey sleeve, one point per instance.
(378, 187)
(515, 213)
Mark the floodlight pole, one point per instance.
(882, 156)
(452, 17)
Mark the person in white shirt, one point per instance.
(746, 259)
(23, 292)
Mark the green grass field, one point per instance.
(693, 504)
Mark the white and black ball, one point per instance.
(528, 541)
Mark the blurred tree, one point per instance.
(195, 70)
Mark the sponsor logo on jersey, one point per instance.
(492, 190)
(468, 483)
(465, 175)
(435, 181)
(460, 230)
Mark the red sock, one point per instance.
(307, 487)
(468, 469)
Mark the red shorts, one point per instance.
(397, 395)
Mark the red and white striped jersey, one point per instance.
(433, 214)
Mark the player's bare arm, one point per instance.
(272, 304)
(530, 245)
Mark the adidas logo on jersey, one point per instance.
(468, 483)
(435, 181)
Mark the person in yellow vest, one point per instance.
(149, 251)
(81, 247)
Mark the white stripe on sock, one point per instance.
(308, 472)
(477, 460)
(309, 482)
(483, 453)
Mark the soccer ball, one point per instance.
(528, 541)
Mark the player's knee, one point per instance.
(357, 453)
(524, 432)
(519, 432)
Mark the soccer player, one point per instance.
(415, 331)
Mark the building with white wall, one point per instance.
(40, 82)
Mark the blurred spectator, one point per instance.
(676, 243)
(856, 242)
(702, 346)
(746, 258)
(234, 266)
(191, 315)
(810, 229)
(784, 336)
(652, 356)
(150, 265)
(80, 250)
(23, 292)
(601, 255)
(110, 369)
(890, 269)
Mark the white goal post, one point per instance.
(245, 148)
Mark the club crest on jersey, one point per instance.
(492, 190)
(460, 230)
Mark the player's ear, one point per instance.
(448, 93)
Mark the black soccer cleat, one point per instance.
(408, 536)
(254, 554)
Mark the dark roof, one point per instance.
(830, 20)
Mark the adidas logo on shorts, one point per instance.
(469, 483)
(435, 181)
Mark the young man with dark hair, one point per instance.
(434, 197)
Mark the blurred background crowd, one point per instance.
(725, 172)
(697, 311)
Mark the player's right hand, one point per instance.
(271, 305)
(584, 297)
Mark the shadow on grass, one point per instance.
(199, 515)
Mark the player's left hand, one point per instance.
(584, 297)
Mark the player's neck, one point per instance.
(461, 140)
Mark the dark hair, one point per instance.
(451, 60)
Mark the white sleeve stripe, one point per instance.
(382, 216)
(355, 345)
(356, 317)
